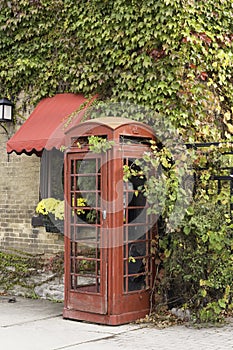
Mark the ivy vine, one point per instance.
(174, 56)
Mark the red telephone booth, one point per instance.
(109, 266)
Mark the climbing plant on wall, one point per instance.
(174, 57)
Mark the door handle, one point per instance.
(104, 214)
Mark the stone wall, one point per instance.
(19, 188)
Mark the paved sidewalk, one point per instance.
(38, 325)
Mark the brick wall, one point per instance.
(19, 188)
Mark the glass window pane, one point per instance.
(85, 280)
(52, 174)
(137, 215)
(137, 249)
(85, 233)
(136, 232)
(87, 251)
(7, 112)
(86, 166)
(86, 183)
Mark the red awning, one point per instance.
(45, 127)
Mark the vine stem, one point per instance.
(153, 289)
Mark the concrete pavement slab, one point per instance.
(38, 324)
(26, 310)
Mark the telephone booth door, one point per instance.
(86, 263)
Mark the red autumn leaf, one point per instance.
(203, 75)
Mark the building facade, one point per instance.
(30, 174)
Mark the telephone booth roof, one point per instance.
(112, 127)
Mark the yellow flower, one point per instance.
(59, 210)
(81, 202)
(56, 207)
(47, 205)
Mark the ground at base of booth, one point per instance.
(38, 324)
